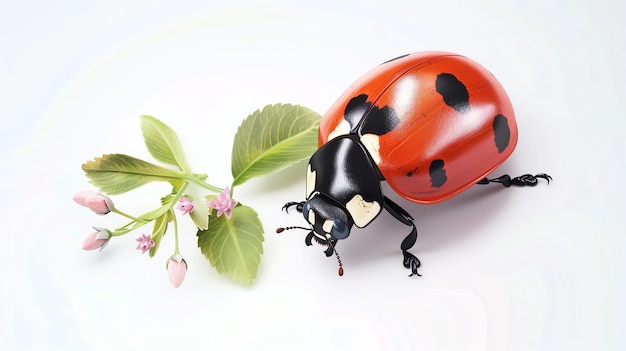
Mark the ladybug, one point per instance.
(430, 124)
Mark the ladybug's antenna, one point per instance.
(282, 229)
(330, 243)
(328, 240)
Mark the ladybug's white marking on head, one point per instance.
(362, 212)
(342, 129)
(310, 181)
(328, 226)
(371, 143)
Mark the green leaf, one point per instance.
(233, 246)
(163, 143)
(159, 229)
(200, 213)
(177, 184)
(166, 205)
(272, 139)
(118, 173)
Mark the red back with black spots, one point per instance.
(435, 123)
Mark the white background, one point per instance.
(516, 269)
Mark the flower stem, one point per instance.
(129, 227)
(115, 210)
(176, 252)
(137, 222)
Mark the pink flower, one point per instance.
(185, 205)
(176, 268)
(97, 239)
(223, 203)
(145, 243)
(95, 201)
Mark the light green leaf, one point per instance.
(234, 246)
(118, 173)
(177, 184)
(200, 213)
(159, 229)
(272, 139)
(166, 205)
(163, 143)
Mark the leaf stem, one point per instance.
(195, 180)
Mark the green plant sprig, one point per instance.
(266, 142)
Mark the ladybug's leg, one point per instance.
(292, 203)
(410, 261)
(523, 180)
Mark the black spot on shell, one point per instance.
(501, 132)
(356, 108)
(437, 173)
(379, 121)
(453, 91)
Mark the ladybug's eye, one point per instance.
(340, 230)
(308, 214)
(305, 210)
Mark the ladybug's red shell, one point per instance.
(454, 123)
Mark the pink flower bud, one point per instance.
(81, 196)
(97, 239)
(223, 203)
(176, 268)
(185, 205)
(145, 243)
(95, 201)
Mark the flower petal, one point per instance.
(185, 205)
(223, 203)
(176, 270)
(81, 196)
(99, 203)
(144, 243)
(97, 239)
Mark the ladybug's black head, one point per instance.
(330, 221)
